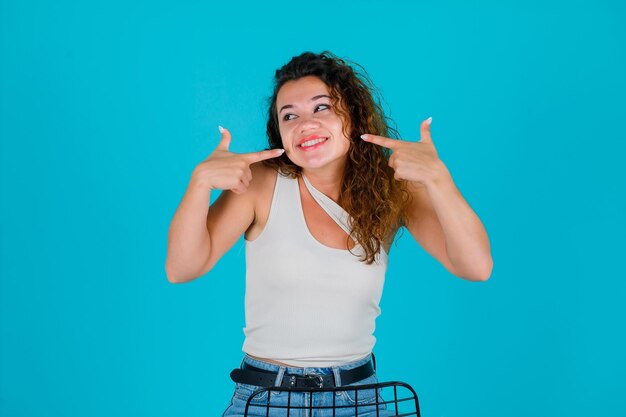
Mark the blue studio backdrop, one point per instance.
(106, 108)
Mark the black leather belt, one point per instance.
(252, 375)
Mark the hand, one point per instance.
(417, 162)
(225, 170)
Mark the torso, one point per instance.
(320, 225)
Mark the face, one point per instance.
(310, 129)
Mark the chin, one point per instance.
(319, 161)
(319, 165)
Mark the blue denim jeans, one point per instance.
(365, 400)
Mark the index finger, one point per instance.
(380, 140)
(253, 157)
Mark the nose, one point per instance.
(308, 122)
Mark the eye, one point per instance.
(325, 107)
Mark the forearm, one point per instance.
(188, 243)
(467, 243)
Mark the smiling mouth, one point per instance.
(313, 142)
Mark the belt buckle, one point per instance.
(320, 380)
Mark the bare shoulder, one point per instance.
(263, 179)
(417, 193)
(262, 190)
(259, 168)
(232, 215)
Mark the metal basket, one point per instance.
(404, 403)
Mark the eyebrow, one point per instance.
(289, 106)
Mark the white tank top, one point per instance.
(307, 304)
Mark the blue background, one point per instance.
(107, 107)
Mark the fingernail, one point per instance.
(429, 120)
(282, 151)
(221, 129)
(364, 136)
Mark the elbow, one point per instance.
(479, 275)
(482, 278)
(486, 272)
(175, 278)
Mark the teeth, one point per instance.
(312, 142)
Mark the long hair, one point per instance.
(369, 193)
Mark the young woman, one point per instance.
(320, 209)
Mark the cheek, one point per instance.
(283, 135)
(339, 127)
(343, 144)
(347, 144)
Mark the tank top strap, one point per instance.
(334, 210)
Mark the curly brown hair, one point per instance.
(369, 193)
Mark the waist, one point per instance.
(269, 361)
(275, 366)
(255, 371)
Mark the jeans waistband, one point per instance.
(282, 370)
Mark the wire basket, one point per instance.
(291, 402)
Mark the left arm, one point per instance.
(444, 224)
(438, 217)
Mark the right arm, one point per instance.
(199, 235)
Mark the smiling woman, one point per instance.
(364, 184)
(319, 210)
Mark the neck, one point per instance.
(326, 181)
